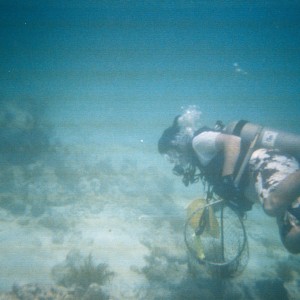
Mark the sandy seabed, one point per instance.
(145, 251)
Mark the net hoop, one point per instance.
(228, 265)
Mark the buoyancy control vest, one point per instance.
(268, 138)
(213, 171)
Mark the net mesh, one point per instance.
(219, 241)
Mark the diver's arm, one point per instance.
(231, 146)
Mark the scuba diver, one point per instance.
(266, 162)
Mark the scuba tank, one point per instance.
(267, 137)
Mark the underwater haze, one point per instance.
(87, 87)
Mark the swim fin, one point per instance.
(213, 224)
(194, 209)
(199, 247)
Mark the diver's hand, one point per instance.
(233, 195)
(228, 190)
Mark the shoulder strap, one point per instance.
(203, 129)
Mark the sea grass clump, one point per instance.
(81, 273)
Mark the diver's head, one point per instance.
(169, 147)
(176, 141)
(167, 141)
(180, 134)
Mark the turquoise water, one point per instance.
(103, 79)
(145, 60)
(128, 67)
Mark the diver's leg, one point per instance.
(285, 193)
(290, 236)
(277, 183)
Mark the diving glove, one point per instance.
(295, 211)
(229, 191)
